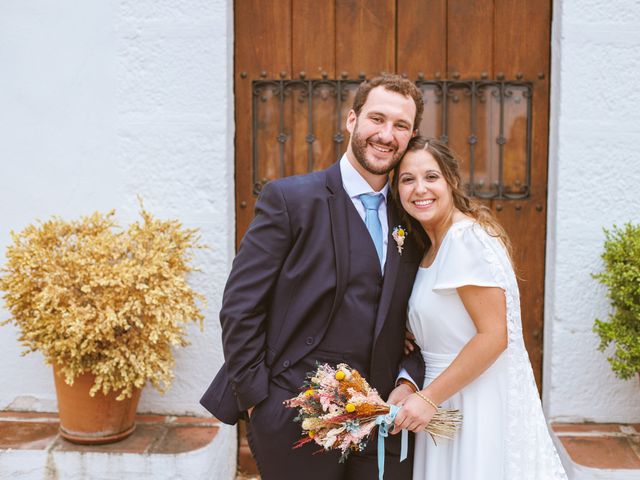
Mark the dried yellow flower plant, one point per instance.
(93, 297)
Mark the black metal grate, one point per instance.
(488, 122)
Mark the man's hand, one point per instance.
(399, 394)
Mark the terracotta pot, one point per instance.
(93, 420)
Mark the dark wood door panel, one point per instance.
(421, 47)
(470, 31)
(365, 37)
(262, 50)
(522, 49)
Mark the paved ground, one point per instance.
(161, 448)
(153, 434)
(607, 446)
(596, 450)
(592, 448)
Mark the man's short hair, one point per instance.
(393, 83)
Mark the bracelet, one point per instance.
(404, 381)
(427, 399)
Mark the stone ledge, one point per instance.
(162, 447)
(608, 451)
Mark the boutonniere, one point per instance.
(399, 234)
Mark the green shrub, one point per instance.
(622, 277)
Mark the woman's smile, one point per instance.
(423, 190)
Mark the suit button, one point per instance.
(309, 341)
(286, 364)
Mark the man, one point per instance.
(307, 286)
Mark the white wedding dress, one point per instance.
(504, 435)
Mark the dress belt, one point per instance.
(435, 363)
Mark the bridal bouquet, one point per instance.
(339, 410)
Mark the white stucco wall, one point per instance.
(103, 101)
(593, 183)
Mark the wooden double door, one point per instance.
(483, 66)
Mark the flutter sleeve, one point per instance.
(468, 257)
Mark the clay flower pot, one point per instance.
(93, 420)
(89, 292)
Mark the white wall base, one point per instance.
(216, 461)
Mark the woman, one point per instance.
(464, 312)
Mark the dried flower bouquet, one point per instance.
(338, 410)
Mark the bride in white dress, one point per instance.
(464, 312)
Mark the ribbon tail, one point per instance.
(404, 445)
(380, 457)
(384, 422)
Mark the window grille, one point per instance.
(299, 126)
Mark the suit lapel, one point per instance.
(337, 201)
(391, 267)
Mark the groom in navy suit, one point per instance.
(319, 278)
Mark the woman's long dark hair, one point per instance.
(450, 168)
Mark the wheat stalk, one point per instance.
(444, 423)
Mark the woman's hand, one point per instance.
(414, 415)
(409, 344)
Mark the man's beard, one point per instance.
(359, 147)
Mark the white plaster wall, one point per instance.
(100, 102)
(593, 183)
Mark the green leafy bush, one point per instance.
(622, 277)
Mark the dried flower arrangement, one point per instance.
(338, 410)
(95, 298)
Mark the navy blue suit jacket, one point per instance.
(269, 314)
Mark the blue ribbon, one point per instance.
(385, 422)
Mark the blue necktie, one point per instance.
(372, 221)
